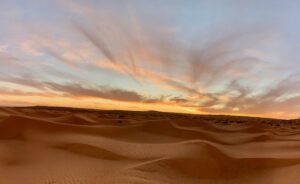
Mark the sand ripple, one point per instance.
(68, 146)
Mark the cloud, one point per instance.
(179, 100)
(7, 59)
(199, 67)
(222, 71)
(77, 90)
(283, 98)
(74, 90)
(15, 92)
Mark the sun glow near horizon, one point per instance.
(189, 57)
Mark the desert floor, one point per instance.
(43, 145)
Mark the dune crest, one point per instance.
(43, 145)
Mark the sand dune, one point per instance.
(43, 145)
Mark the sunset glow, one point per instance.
(177, 56)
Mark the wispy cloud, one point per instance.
(230, 71)
(73, 90)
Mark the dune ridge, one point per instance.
(47, 145)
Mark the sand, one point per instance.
(43, 145)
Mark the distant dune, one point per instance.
(49, 145)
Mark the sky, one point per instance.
(196, 56)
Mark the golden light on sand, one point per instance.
(63, 145)
(149, 92)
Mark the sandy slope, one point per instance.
(68, 146)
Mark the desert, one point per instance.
(54, 145)
(149, 92)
